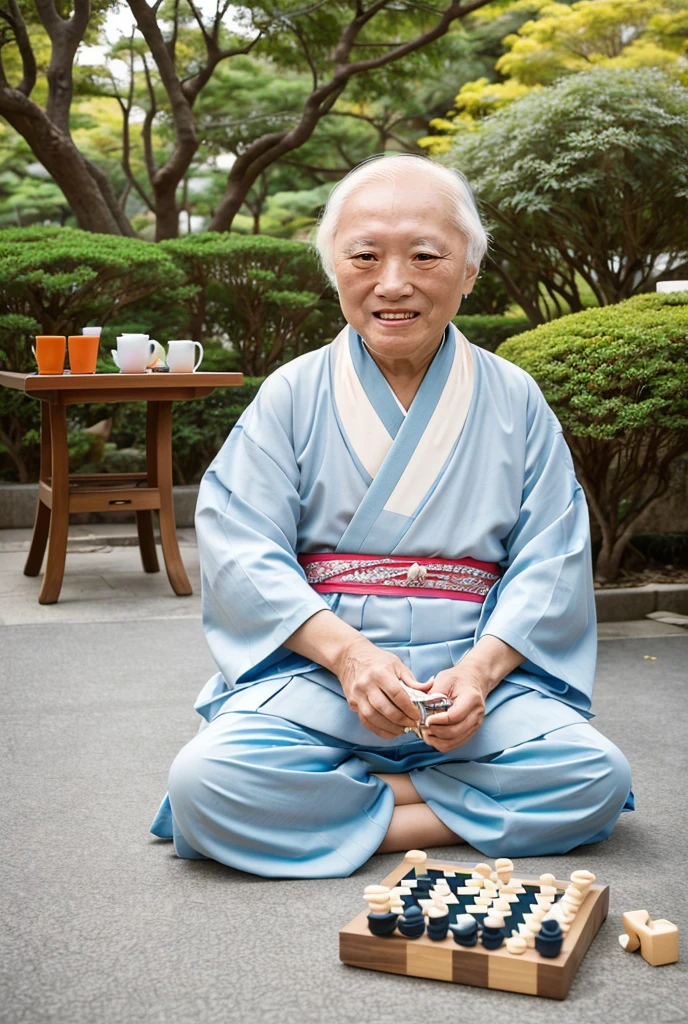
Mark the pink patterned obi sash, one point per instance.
(460, 579)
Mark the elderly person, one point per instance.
(395, 513)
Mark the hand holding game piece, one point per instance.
(375, 684)
(446, 730)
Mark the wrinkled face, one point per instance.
(400, 264)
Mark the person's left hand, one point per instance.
(467, 689)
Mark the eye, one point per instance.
(367, 257)
(424, 257)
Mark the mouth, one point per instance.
(396, 315)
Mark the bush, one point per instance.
(617, 378)
(254, 302)
(490, 331)
(266, 297)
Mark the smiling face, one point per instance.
(400, 263)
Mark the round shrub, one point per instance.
(617, 379)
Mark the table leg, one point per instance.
(59, 518)
(144, 527)
(41, 525)
(159, 468)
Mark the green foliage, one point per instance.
(265, 297)
(254, 301)
(617, 379)
(585, 181)
(60, 278)
(607, 372)
(490, 331)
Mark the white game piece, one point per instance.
(504, 868)
(571, 890)
(477, 880)
(582, 880)
(502, 905)
(573, 906)
(493, 921)
(483, 869)
(526, 933)
(375, 889)
(425, 904)
(436, 912)
(539, 914)
(376, 899)
(451, 898)
(533, 926)
(470, 890)
(473, 908)
(543, 901)
(483, 901)
(416, 857)
(547, 879)
(516, 945)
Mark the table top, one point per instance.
(32, 383)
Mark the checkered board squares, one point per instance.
(462, 899)
(446, 961)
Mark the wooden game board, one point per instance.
(444, 960)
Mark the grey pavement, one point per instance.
(102, 923)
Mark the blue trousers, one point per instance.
(276, 799)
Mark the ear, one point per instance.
(469, 280)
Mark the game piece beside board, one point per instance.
(520, 960)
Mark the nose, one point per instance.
(393, 282)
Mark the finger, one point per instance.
(376, 722)
(463, 705)
(379, 700)
(455, 735)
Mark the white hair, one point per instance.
(448, 183)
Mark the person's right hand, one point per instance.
(370, 680)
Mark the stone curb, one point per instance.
(18, 508)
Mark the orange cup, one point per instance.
(83, 353)
(50, 353)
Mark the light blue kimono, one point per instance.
(278, 781)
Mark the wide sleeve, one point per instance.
(254, 592)
(544, 604)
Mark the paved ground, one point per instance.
(102, 923)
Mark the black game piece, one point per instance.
(412, 923)
(382, 924)
(549, 939)
(465, 930)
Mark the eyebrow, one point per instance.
(361, 243)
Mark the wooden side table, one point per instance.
(60, 493)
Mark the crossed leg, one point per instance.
(413, 823)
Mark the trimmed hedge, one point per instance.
(617, 379)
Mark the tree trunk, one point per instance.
(609, 559)
(166, 214)
(69, 170)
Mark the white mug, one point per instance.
(133, 353)
(180, 356)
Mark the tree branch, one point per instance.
(16, 22)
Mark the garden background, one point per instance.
(162, 168)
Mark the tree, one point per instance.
(46, 128)
(584, 184)
(336, 42)
(563, 39)
(617, 379)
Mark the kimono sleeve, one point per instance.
(254, 592)
(545, 602)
